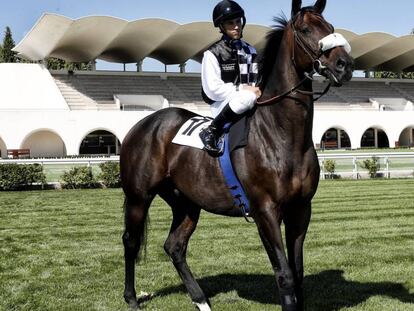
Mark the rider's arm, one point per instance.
(214, 87)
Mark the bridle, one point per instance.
(318, 67)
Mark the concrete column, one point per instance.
(411, 137)
(376, 138)
(338, 137)
(139, 65)
(182, 67)
(93, 64)
(124, 67)
(165, 68)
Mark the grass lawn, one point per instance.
(62, 250)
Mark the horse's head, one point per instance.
(315, 46)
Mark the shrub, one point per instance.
(329, 166)
(372, 165)
(15, 176)
(110, 175)
(78, 177)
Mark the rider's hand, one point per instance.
(253, 89)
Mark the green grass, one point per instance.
(61, 250)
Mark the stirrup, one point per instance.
(215, 149)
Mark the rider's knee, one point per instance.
(243, 101)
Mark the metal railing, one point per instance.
(348, 165)
(70, 161)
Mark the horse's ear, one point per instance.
(320, 6)
(296, 6)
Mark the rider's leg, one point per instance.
(240, 103)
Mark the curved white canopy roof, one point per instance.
(117, 40)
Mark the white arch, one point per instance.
(94, 130)
(409, 138)
(391, 144)
(326, 128)
(51, 146)
(3, 148)
(337, 127)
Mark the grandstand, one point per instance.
(61, 113)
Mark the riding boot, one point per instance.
(211, 135)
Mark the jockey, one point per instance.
(228, 73)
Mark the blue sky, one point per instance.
(360, 16)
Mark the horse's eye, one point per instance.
(305, 30)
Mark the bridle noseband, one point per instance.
(318, 67)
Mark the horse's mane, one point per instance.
(269, 53)
(274, 38)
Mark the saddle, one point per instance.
(235, 136)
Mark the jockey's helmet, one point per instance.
(226, 10)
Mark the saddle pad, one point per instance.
(188, 134)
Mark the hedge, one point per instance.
(20, 176)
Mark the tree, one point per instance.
(53, 63)
(58, 64)
(7, 55)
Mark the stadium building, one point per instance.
(62, 113)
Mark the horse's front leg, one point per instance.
(296, 225)
(268, 220)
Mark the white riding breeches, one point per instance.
(240, 102)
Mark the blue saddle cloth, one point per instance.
(233, 183)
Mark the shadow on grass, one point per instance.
(327, 290)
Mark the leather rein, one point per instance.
(318, 67)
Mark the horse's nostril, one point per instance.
(340, 64)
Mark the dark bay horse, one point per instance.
(278, 168)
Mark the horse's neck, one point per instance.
(284, 76)
(290, 119)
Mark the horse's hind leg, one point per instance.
(185, 218)
(135, 215)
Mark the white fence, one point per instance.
(390, 165)
(62, 161)
(348, 165)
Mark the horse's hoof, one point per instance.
(202, 306)
(133, 305)
(132, 302)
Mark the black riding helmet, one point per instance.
(226, 10)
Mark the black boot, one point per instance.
(210, 136)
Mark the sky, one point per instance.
(360, 16)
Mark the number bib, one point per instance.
(188, 134)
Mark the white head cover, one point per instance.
(332, 41)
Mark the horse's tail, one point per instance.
(139, 235)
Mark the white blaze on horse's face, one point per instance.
(334, 40)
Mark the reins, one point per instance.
(295, 89)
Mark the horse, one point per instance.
(278, 168)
